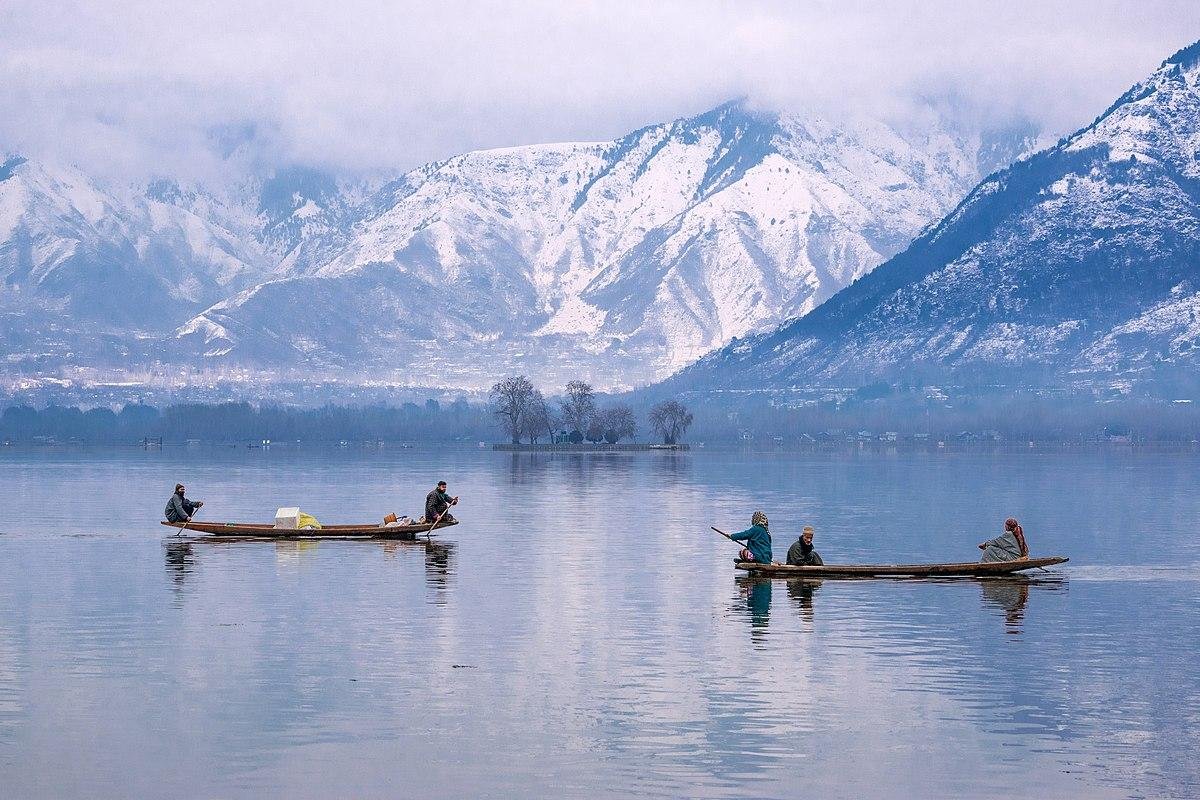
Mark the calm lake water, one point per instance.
(583, 634)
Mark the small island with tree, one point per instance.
(575, 421)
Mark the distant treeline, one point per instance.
(717, 419)
(242, 422)
(1011, 417)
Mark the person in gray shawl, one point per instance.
(179, 508)
(1008, 546)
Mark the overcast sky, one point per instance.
(138, 88)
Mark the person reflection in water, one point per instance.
(180, 562)
(438, 563)
(801, 592)
(1008, 546)
(1011, 595)
(757, 539)
(757, 592)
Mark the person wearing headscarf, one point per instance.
(757, 539)
(802, 554)
(1008, 546)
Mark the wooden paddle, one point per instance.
(195, 511)
(429, 533)
(727, 536)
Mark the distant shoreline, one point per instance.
(583, 447)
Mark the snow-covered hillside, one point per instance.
(135, 261)
(618, 262)
(1079, 263)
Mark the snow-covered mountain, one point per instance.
(618, 261)
(66, 243)
(1081, 262)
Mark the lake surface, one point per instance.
(583, 634)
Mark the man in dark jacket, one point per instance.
(437, 502)
(801, 554)
(179, 508)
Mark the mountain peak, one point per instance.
(1066, 266)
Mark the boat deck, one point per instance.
(269, 531)
(968, 569)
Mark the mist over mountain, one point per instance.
(619, 262)
(1078, 264)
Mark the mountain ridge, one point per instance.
(614, 261)
(1035, 275)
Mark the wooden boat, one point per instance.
(269, 531)
(969, 569)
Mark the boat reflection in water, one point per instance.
(1010, 594)
(180, 554)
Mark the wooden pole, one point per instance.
(429, 533)
(735, 541)
(189, 522)
(727, 536)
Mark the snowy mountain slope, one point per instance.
(620, 261)
(68, 245)
(1080, 262)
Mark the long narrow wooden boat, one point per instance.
(969, 569)
(269, 531)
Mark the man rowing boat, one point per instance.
(179, 508)
(437, 504)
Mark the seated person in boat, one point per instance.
(437, 502)
(179, 508)
(757, 539)
(802, 554)
(1008, 546)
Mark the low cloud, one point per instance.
(138, 89)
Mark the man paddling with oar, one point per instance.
(437, 507)
(179, 508)
(437, 504)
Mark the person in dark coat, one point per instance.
(437, 502)
(802, 554)
(179, 508)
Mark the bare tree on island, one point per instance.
(539, 419)
(578, 408)
(618, 423)
(512, 398)
(671, 419)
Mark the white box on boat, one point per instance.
(288, 518)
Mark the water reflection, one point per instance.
(756, 594)
(439, 564)
(802, 591)
(609, 650)
(1011, 594)
(180, 561)
(180, 555)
